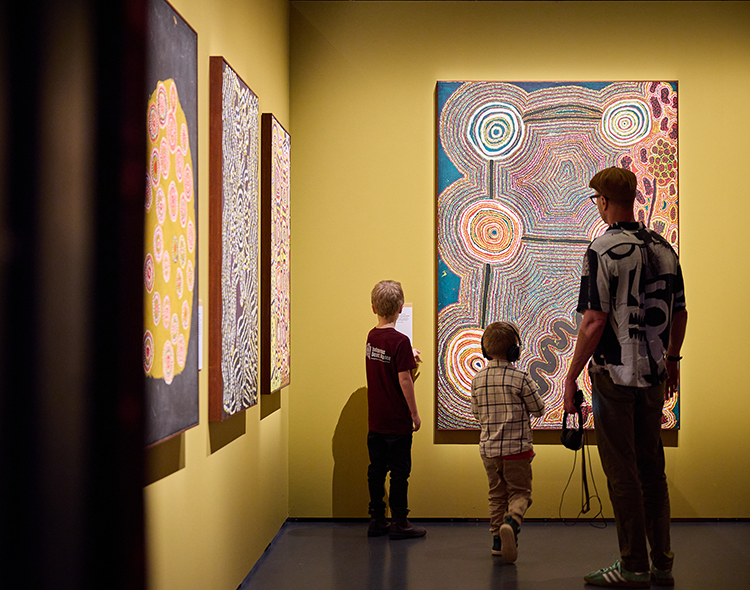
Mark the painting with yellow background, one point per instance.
(170, 237)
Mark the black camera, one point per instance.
(572, 438)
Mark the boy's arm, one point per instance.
(407, 387)
(531, 399)
(474, 404)
(415, 371)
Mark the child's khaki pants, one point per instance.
(510, 489)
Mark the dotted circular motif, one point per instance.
(148, 350)
(490, 232)
(464, 359)
(654, 160)
(662, 164)
(496, 130)
(626, 122)
(169, 257)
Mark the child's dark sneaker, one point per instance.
(496, 545)
(509, 539)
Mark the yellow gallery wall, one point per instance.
(354, 83)
(218, 493)
(363, 80)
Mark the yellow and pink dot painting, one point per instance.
(169, 254)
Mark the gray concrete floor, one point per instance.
(456, 556)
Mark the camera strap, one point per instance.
(585, 497)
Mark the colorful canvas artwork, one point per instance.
(234, 244)
(276, 255)
(513, 222)
(170, 266)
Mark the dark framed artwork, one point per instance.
(170, 267)
(513, 222)
(276, 255)
(233, 243)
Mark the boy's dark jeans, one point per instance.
(389, 452)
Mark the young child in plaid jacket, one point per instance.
(502, 397)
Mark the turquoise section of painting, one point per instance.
(449, 283)
(447, 172)
(532, 86)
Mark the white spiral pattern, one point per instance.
(496, 130)
(626, 122)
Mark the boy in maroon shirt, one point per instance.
(392, 414)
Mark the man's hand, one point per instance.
(570, 394)
(589, 334)
(673, 378)
(676, 337)
(417, 422)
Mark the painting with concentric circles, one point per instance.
(514, 160)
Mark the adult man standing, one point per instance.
(634, 318)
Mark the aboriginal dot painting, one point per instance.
(233, 358)
(280, 250)
(514, 220)
(170, 263)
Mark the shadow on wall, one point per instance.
(165, 458)
(350, 457)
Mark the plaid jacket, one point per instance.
(502, 397)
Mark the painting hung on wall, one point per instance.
(170, 267)
(513, 219)
(276, 242)
(234, 245)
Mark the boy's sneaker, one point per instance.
(509, 539)
(379, 526)
(496, 545)
(662, 577)
(616, 576)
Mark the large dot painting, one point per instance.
(169, 256)
(513, 221)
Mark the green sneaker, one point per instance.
(496, 545)
(616, 576)
(662, 577)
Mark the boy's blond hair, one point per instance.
(387, 298)
(498, 337)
